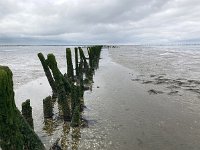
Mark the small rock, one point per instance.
(86, 88)
(56, 145)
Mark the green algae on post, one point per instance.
(27, 112)
(10, 134)
(47, 107)
(62, 98)
(76, 97)
(80, 78)
(76, 117)
(83, 59)
(70, 70)
(48, 73)
(76, 61)
(73, 97)
(15, 133)
(94, 53)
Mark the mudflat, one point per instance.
(123, 113)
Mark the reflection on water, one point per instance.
(76, 136)
(65, 135)
(49, 126)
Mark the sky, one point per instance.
(99, 21)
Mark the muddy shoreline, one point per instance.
(175, 105)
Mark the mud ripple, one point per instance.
(153, 92)
(175, 85)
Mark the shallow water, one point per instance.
(24, 63)
(36, 88)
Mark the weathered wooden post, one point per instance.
(59, 78)
(76, 117)
(47, 107)
(76, 61)
(73, 97)
(91, 68)
(80, 78)
(70, 70)
(48, 73)
(96, 54)
(90, 54)
(94, 50)
(67, 83)
(80, 98)
(10, 134)
(82, 56)
(27, 112)
(15, 133)
(83, 59)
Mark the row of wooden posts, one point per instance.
(16, 129)
(69, 88)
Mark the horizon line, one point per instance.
(145, 44)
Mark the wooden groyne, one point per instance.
(17, 129)
(70, 86)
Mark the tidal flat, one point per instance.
(130, 105)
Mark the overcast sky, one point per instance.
(98, 21)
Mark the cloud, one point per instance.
(98, 21)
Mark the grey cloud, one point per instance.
(98, 21)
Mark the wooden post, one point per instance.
(48, 73)
(70, 70)
(47, 107)
(27, 112)
(80, 78)
(59, 80)
(15, 133)
(76, 61)
(83, 59)
(73, 97)
(76, 117)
